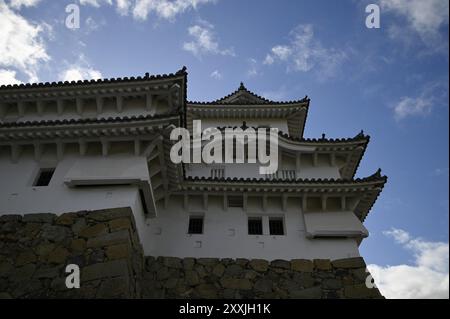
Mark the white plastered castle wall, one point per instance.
(226, 236)
(225, 231)
(19, 196)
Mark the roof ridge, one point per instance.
(376, 177)
(359, 136)
(147, 76)
(243, 88)
(89, 120)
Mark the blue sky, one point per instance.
(392, 82)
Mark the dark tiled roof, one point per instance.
(258, 100)
(376, 177)
(359, 137)
(146, 77)
(363, 152)
(89, 120)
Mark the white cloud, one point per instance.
(253, 68)
(432, 94)
(123, 6)
(77, 73)
(95, 3)
(204, 41)
(141, 9)
(279, 94)
(17, 4)
(428, 276)
(304, 53)
(216, 75)
(93, 24)
(81, 70)
(269, 60)
(399, 235)
(408, 106)
(8, 77)
(282, 52)
(424, 18)
(21, 43)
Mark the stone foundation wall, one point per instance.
(36, 248)
(169, 277)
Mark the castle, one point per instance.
(105, 145)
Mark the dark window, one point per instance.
(44, 177)
(195, 225)
(276, 226)
(235, 201)
(255, 226)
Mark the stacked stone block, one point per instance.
(169, 277)
(36, 248)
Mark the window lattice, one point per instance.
(276, 226)
(255, 226)
(195, 225)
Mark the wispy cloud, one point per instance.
(17, 4)
(22, 45)
(216, 75)
(141, 9)
(440, 172)
(123, 6)
(425, 19)
(253, 69)
(428, 276)
(279, 94)
(77, 73)
(92, 24)
(410, 106)
(81, 70)
(204, 41)
(95, 3)
(304, 53)
(421, 105)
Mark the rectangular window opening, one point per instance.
(236, 201)
(195, 225)
(276, 226)
(255, 226)
(44, 177)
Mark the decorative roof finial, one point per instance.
(182, 70)
(360, 134)
(323, 136)
(377, 173)
(242, 87)
(147, 75)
